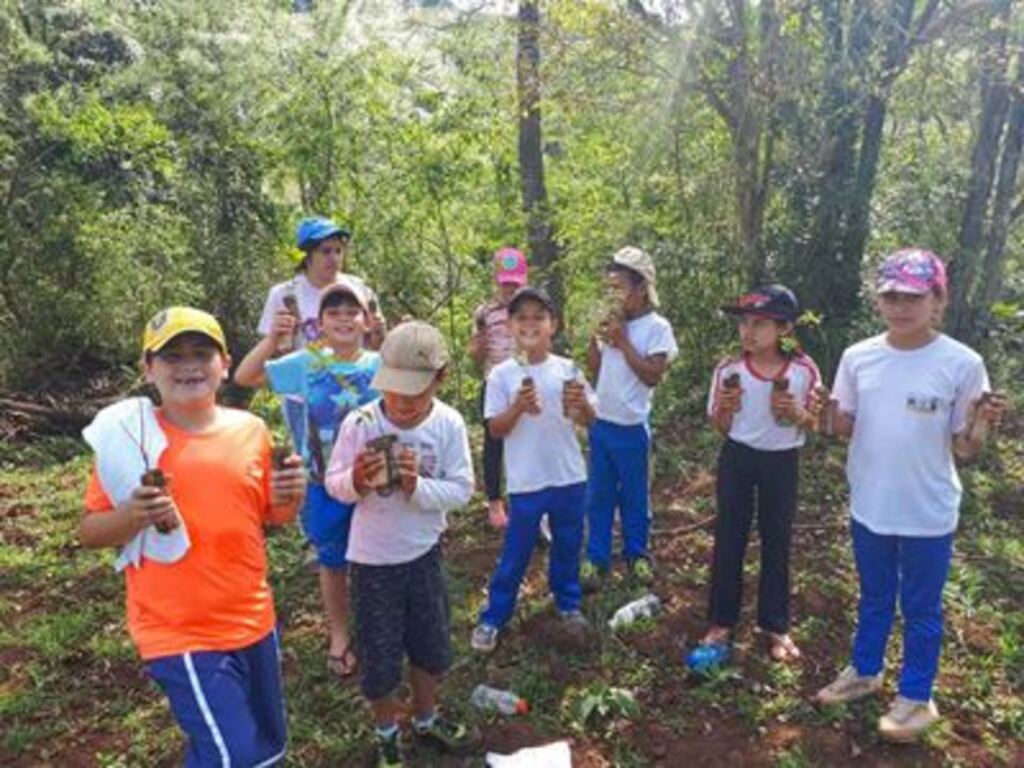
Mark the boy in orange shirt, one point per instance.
(200, 612)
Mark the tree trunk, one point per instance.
(540, 230)
(745, 100)
(857, 92)
(824, 277)
(897, 50)
(995, 100)
(991, 280)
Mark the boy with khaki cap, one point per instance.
(404, 461)
(629, 358)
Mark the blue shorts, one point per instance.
(326, 522)
(230, 704)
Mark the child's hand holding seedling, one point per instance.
(284, 325)
(729, 397)
(613, 330)
(527, 398)
(408, 470)
(152, 505)
(574, 402)
(820, 399)
(990, 408)
(786, 409)
(984, 415)
(288, 482)
(367, 470)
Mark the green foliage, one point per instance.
(599, 704)
(157, 153)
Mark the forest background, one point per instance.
(156, 153)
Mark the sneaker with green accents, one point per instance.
(389, 751)
(446, 736)
(642, 570)
(592, 576)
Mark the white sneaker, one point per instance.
(907, 719)
(849, 686)
(484, 638)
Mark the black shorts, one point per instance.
(400, 610)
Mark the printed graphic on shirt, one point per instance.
(321, 390)
(426, 458)
(309, 329)
(924, 403)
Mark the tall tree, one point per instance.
(737, 70)
(540, 230)
(977, 270)
(867, 47)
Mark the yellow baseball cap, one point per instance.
(174, 321)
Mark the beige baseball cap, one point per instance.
(344, 286)
(639, 261)
(412, 354)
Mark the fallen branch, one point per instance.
(63, 419)
(683, 529)
(823, 526)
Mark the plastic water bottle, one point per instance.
(496, 700)
(630, 612)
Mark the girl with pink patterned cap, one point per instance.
(909, 399)
(490, 345)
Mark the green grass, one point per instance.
(70, 683)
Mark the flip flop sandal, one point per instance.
(344, 664)
(782, 647)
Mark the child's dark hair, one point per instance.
(339, 298)
(515, 308)
(307, 250)
(634, 277)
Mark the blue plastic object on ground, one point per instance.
(708, 656)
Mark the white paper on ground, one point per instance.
(556, 755)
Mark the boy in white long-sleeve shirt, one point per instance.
(399, 592)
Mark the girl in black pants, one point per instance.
(763, 401)
(490, 345)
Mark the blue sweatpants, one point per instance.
(564, 507)
(229, 704)
(914, 568)
(618, 478)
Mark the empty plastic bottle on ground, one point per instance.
(630, 612)
(496, 700)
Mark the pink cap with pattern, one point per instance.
(911, 270)
(510, 267)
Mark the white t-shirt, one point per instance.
(542, 450)
(308, 297)
(621, 397)
(393, 529)
(754, 424)
(907, 406)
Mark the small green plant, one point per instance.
(601, 704)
